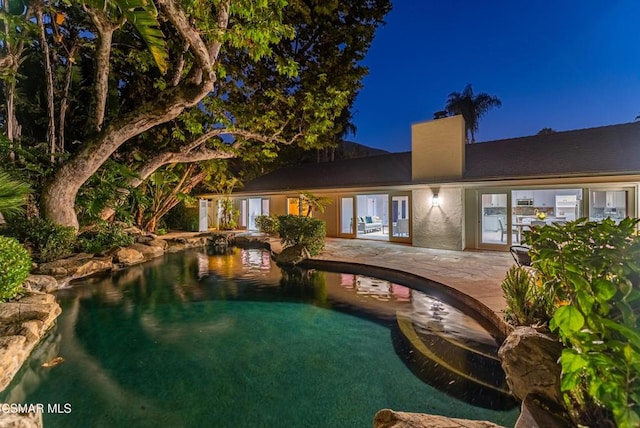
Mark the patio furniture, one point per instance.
(369, 224)
(503, 231)
(520, 254)
(402, 227)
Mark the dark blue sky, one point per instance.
(565, 64)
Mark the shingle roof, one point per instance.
(603, 150)
(613, 149)
(382, 170)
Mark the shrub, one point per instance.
(592, 270)
(15, 264)
(306, 231)
(267, 224)
(105, 237)
(46, 240)
(525, 297)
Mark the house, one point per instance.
(450, 195)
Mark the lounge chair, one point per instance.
(520, 254)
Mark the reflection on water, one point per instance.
(194, 338)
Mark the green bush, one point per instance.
(591, 270)
(46, 240)
(525, 297)
(306, 231)
(267, 224)
(105, 237)
(15, 264)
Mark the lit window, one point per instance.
(293, 206)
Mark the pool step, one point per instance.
(452, 366)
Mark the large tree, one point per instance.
(238, 82)
(472, 107)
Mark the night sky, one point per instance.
(562, 65)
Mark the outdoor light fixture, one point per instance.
(435, 201)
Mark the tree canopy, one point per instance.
(117, 90)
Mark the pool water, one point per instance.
(193, 340)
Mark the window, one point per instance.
(608, 204)
(293, 206)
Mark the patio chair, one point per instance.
(503, 231)
(520, 254)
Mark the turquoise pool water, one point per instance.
(192, 340)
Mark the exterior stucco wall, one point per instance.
(277, 205)
(438, 149)
(330, 214)
(441, 226)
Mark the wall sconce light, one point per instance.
(435, 201)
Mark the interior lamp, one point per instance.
(434, 200)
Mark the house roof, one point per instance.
(380, 170)
(613, 149)
(593, 151)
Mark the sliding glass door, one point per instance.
(495, 226)
(347, 217)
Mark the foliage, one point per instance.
(12, 194)
(305, 231)
(267, 224)
(103, 238)
(178, 217)
(278, 72)
(46, 241)
(472, 107)
(525, 297)
(15, 264)
(592, 272)
(229, 214)
(314, 202)
(107, 188)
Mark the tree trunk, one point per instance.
(65, 97)
(98, 105)
(58, 201)
(51, 129)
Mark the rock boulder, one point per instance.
(40, 284)
(77, 266)
(387, 418)
(293, 255)
(22, 324)
(148, 252)
(530, 361)
(538, 413)
(127, 256)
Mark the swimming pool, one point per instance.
(193, 340)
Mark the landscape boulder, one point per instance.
(40, 284)
(387, 418)
(148, 252)
(127, 256)
(293, 255)
(19, 420)
(530, 361)
(22, 325)
(539, 413)
(77, 266)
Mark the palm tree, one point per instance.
(12, 194)
(472, 107)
